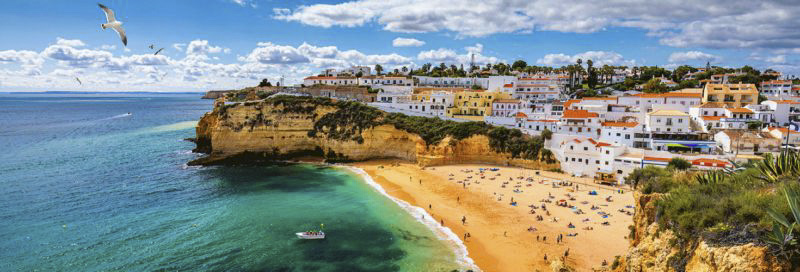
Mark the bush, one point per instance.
(679, 164)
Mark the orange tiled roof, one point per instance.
(521, 115)
(705, 160)
(781, 129)
(619, 124)
(713, 118)
(569, 102)
(785, 102)
(776, 82)
(740, 110)
(602, 144)
(508, 85)
(570, 114)
(657, 159)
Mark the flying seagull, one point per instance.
(152, 46)
(113, 24)
(79, 80)
(159, 51)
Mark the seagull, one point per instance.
(159, 51)
(113, 24)
(152, 46)
(79, 80)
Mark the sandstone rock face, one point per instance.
(655, 250)
(263, 128)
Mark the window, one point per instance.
(607, 152)
(585, 148)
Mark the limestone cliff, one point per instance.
(263, 131)
(654, 249)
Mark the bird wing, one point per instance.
(109, 13)
(159, 51)
(79, 81)
(121, 33)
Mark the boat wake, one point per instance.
(422, 216)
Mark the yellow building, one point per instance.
(474, 104)
(732, 95)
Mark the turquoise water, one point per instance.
(86, 187)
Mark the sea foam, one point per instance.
(443, 233)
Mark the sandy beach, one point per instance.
(502, 236)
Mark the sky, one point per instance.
(227, 44)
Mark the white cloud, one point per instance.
(179, 46)
(682, 57)
(680, 23)
(406, 42)
(599, 58)
(450, 56)
(777, 59)
(108, 47)
(70, 43)
(269, 53)
(198, 69)
(201, 47)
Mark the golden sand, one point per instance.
(499, 237)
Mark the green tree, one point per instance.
(592, 74)
(679, 163)
(265, 83)
(378, 69)
(654, 85)
(519, 65)
(681, 71)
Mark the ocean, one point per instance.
(85, 186)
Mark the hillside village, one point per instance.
(602, 122)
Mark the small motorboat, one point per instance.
(310, 235)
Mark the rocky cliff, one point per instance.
(655, 249)
(264, 131)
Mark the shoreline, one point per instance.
(443, 233)
(498, 238)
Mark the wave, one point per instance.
(443, 233)
(118, 116)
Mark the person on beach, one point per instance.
(430, 207)
(504, 234)
(566, 253)
(545, 257)
(463, 220)
(537, 238)
(441, 221)
(465, 237)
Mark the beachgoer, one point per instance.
(504, 234)
(441, 221)
(430, 207)
(545, 257)
(463, 220)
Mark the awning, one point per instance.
(698, 145)
(677, 145)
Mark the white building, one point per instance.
(506, 107)
(785, 111)
(776, 89)
(668, 121)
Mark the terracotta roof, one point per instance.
(711, 105)
(521, 115)
(683, 94)
(573, 114)
(602, 144)
(619, 124)
(781, 129)
(657, 159)
(785, 102)
(542, 120)
(740, 110)
(592, 141)
(705, 160)
(569, 102)
(713, 118)
(776, 82)
(600, 98)
(668, 113)
(508, 85)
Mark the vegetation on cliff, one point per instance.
(726, 207)
(349, 119)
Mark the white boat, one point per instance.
(311, 235)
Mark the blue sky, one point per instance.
(221, 44)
